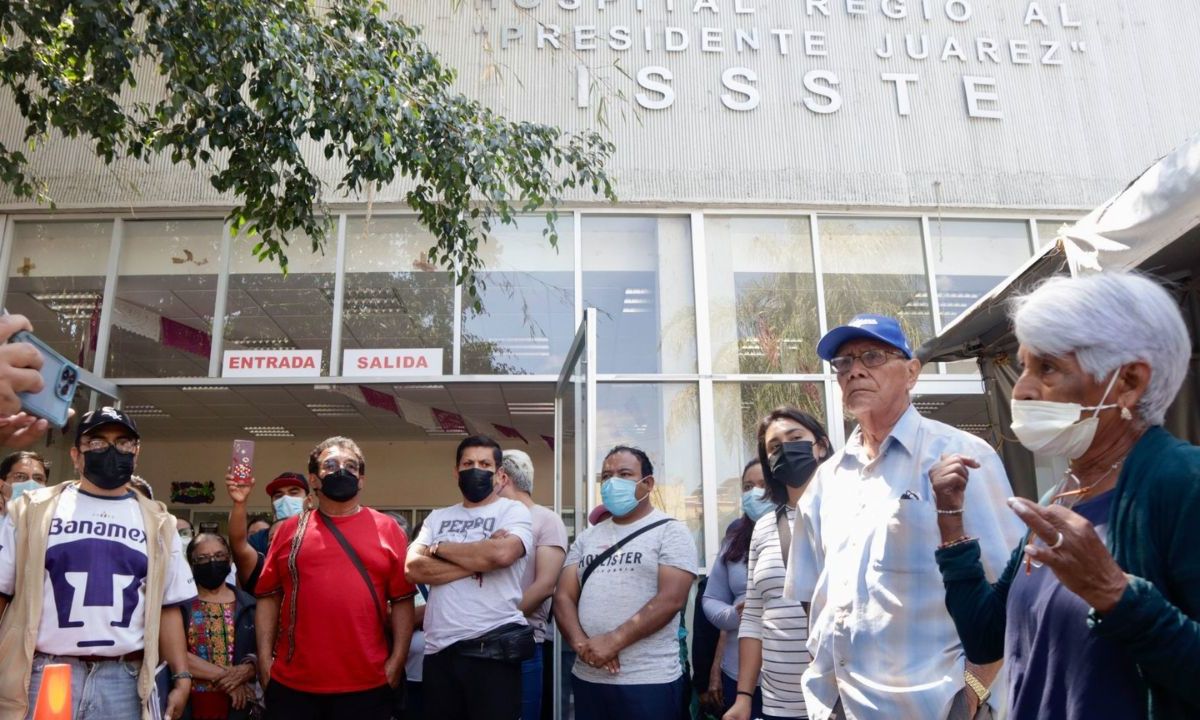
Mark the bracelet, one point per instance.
(185, 675)
(950, 512)
(747, 694)
(956, 541)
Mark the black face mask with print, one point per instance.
(108, 469)
(794, 463)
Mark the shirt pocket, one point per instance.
(906, 538)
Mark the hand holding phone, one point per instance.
(59, 381)
(241, 467)
(20, 364)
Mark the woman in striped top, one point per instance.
(774, 631)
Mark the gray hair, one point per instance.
(401, 521)
(1109, 320)
(518, 466)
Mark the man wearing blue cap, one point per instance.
(882, 642)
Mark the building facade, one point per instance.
(781, 166)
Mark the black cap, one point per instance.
(105, 416)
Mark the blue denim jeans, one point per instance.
(531, 686)
(99, 690)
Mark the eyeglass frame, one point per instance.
(332, 465)
(862, 357)
(212, 557)
(131, 444)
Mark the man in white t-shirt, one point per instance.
(515, 481)
(473, 555)
(620, 610)
(92, 575)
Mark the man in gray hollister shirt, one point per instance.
(622, 619)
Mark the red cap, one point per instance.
(287, 479)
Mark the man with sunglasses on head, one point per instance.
(882, 643)
(92, 575)
(335, 610)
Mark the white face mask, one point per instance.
(287, 506)
(1055, 428)
(19, 489)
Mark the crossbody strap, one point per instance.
(357, 562)
(599, 559)
(785, 533)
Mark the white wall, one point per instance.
(1127, 91)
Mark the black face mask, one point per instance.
(340, 485)
(108, 469)
(793, 463)
(211, 575)
(475, 483)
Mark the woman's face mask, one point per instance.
(755, 503)
(1055, 429)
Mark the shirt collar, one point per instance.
(904, 433)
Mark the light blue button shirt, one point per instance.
(862, 551)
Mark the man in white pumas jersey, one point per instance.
(92, 575)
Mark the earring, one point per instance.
(1126, 414)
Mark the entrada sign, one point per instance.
(271, 363)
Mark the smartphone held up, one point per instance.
(242, 464)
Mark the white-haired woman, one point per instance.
(1096, 615)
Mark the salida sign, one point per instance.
(413, 362)
(271, 363)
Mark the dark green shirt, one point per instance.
(1154, 535)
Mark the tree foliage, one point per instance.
(238, 86)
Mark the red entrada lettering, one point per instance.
(393, 362)
(272, 362)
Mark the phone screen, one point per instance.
(242, 464)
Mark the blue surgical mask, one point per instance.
(287, 506)
(755, 503)
(620, 495)
(19, 489)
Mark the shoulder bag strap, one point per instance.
(358, 564)
(599, 559)
(785, 533)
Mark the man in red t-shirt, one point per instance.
(323, 644)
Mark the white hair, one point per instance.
(518, 466)
(1109, 320)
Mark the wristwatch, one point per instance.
(977, 687)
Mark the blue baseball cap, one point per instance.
(868, 326)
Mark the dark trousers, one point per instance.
(467, 688)
(284, 703)
(598, 701)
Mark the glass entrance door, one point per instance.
(574, 431)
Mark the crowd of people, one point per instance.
(893, 577)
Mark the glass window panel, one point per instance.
(971, 257)
(637, 271)
(527, 293)
(662, 420)
(166, 292)
(56, 279)
(267, 310)
(739, 407)
(876, 265)
(395, 296)
(1048, 230)
(762, 294)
